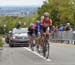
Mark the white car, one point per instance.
(19, 37)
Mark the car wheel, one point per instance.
(10, 44)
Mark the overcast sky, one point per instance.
(21, 2)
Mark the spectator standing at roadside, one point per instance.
(61, 28)
(57, 29)
(18, 25)
(67, 27)
(71, 29)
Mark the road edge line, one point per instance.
(36, 54)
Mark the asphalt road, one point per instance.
(60, 54)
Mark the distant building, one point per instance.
(17, 12)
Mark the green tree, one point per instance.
(11, 22)
(61, 11)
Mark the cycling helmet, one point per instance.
(31, 24)
(68, 24)
(46, 14)
(37, 21)
(42, 17)
(19, 22)
(10, 32)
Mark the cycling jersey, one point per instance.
(31, 31)
(46, 22)
(34, 26)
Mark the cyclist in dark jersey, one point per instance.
(30, 29)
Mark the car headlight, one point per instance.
(13, 37)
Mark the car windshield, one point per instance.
(19, 31)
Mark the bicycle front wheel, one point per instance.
(46, 50)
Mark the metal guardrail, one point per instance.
(64, 36)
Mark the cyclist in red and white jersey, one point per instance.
(46, 22)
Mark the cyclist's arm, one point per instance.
(41, 22)
(50, 23)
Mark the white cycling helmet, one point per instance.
(46, 14)
(42, 17)
(19, 22)
(31, 24)
(68, 23)
(10, 32)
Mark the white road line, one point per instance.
(34, 52)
